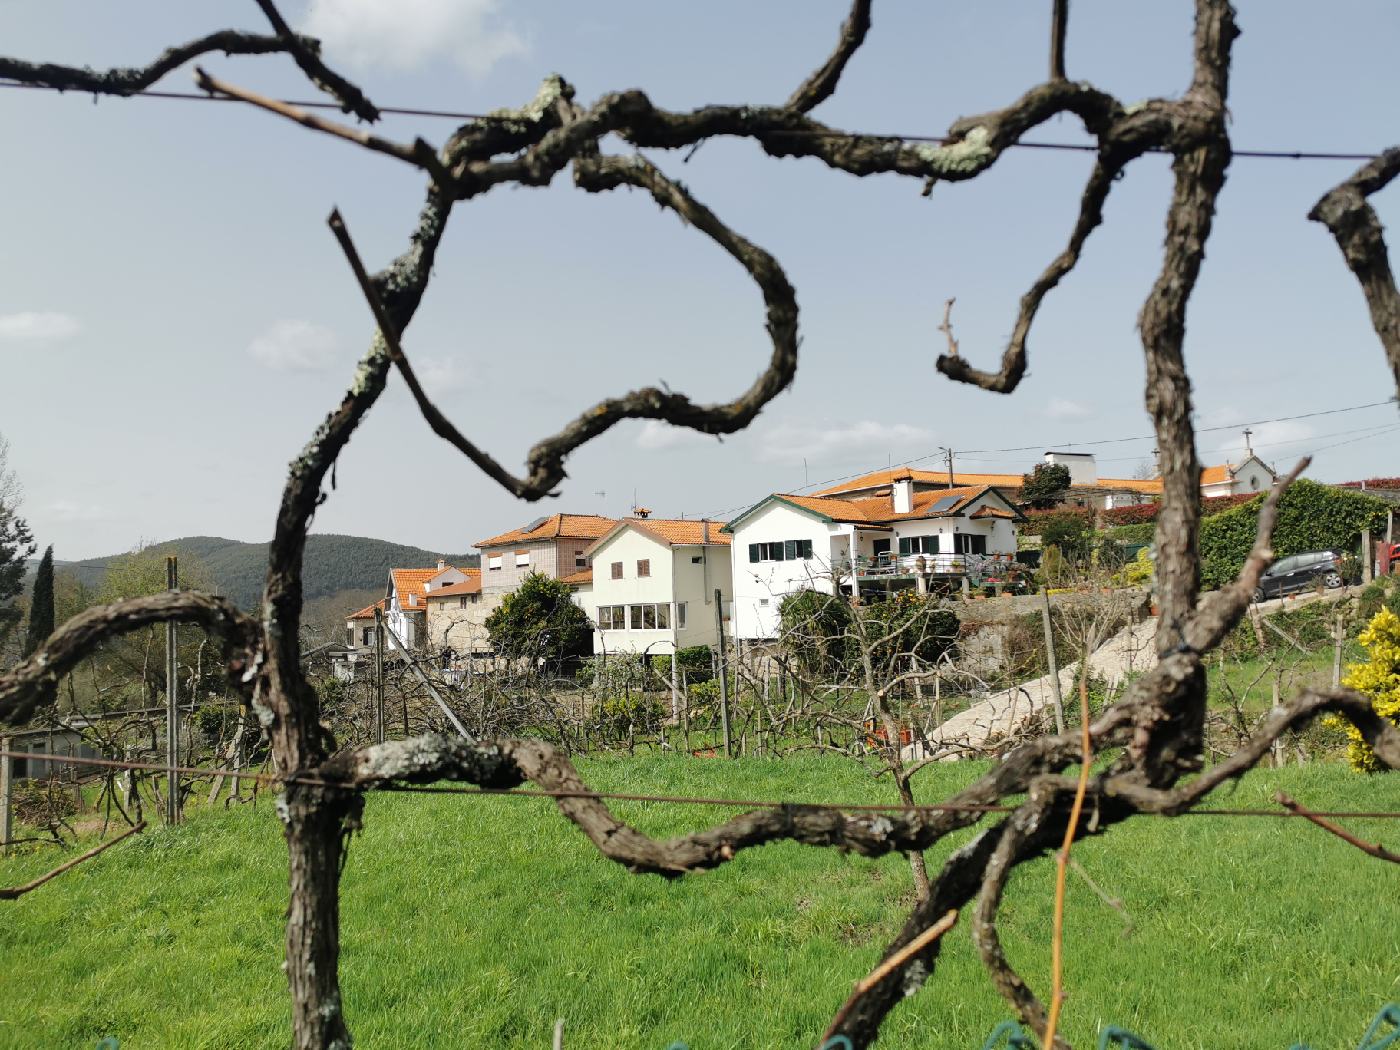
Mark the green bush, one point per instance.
(1144, 532)
(1311, 517)
(696, 661)
(638, 712)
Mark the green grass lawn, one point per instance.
(475, 922)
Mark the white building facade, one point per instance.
(904, 539)
(654, 583)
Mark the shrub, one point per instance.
(637, 712)
(1139, 571)
(539, 621)
(1378, 678)
(1071, 533)
(815, 627)
(1045, 484)
(696, 661)
(1037, 520)
(1311, 517)
(1145, 532)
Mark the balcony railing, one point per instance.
(975, 566)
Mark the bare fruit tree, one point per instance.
(1159, 722)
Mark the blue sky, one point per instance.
(175, 317)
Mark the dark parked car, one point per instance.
(1300, 572)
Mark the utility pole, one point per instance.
(172, 706)
(949, 453)
(379, 733)
(723, 673)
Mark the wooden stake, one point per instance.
(723, 673)
(7, 831)
(1050, 659)
(172, 706)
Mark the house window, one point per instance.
(612, 618)
(522, 558)
(680, 616)
(644, 567)
(918, 545)
(649, 617)
(580, 562)
(781, 550)
(969, 543)
(617, 570)
(462, 602)
(367, 638)
(493, 563)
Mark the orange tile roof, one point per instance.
(367, 613)
(884, 478)
(1150, 486)
(991, 512)
(676, 532)
(881, 478)
(471, 585)
(578, 579)
(408, 585)
(568, 526)
(1216, 475)
(877, 510)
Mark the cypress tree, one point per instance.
(41, 605)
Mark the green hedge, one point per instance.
(1143, 532)
(1311, 517)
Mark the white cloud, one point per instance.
(31, 327)
(441, 375)
(408, 34)
(295, 346)
(1067, 411)
(69, 511)
(658, 436)
(790, 443)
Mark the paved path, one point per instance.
(973, 732)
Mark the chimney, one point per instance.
(1082, 470)
(441, 564)
(902, 492)
(642, 512)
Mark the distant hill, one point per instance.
(333, 564)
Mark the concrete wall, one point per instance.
(461, 628)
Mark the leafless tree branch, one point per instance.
(308, 59)
(821, 85)
(1345, 211)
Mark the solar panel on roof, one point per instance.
(944, 504)
(536, 523)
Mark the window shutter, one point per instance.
(904, 547)
(789, 550)
(806, 548)
(753, 552)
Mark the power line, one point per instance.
(446, 114)
(620, 796)
(940, 452)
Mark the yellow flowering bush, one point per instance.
(1378, 678)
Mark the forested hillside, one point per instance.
(333, 564)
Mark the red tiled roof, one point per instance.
(1011, 482)
(471, 585)
(1216, 475)
(567, 526)
(408, 585)
(676, 532)
(367, 613)
(582, 578)
(878, 510)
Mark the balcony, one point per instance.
(976, 567)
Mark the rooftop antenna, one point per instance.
(805, 480)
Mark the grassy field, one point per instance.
(475, 922)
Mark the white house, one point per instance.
(406, 608)
(901, 540)
(653, 585)
(1237, 479)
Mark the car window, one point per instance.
(1284, 565)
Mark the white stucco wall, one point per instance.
(759, 587)
(674, 578)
